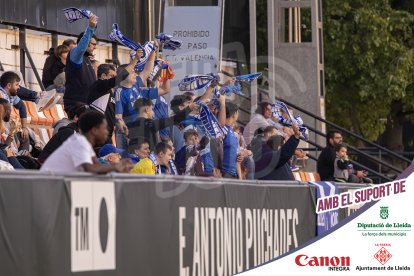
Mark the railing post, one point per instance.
(115, 59)
(54, 41)
(379, 164)
(25, 52)
(22, 44)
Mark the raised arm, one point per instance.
(105, 85)
(222, 111)
(164, 88)
(166, 122)
(149, 65)
(76, 54)
(204, 98)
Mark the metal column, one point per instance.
(22, 44)
(55, 41)
(271, 37)
(115, 59)
(253, 54)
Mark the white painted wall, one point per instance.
(38, 43)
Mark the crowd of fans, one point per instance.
(152, 137)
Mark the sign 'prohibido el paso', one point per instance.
(200, 51)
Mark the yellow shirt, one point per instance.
(144, 166)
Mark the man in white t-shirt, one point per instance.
(76, 154)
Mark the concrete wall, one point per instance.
(38, 43)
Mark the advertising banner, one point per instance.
(376, 239)
(148, 226)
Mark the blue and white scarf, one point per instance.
(73, 14)
(12, 99)
(117, 36)
(210, 122)
(173, 168)
(236, 87)
(248, 77)
(168, 42)
(228, 89)
(156, 71)
(152, 157)
(148, 47)
(195, 82)
(283, 107)
(277, 107)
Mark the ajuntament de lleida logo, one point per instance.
(384, 212)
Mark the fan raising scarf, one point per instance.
(167, 42)
(117, 36)
(210, 122)
(277, 107)
(148, 47)
(73, 14)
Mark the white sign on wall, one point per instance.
(199, 30)
(93, 224)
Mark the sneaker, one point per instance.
(294, 168)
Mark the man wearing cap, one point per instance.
(109, 154)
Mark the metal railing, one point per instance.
(380, 150)
(24, 52)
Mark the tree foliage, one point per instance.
(369, 63)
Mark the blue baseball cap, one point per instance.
(109, 148)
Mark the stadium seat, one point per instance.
(60, 111)
(44, 133)
(14, 112)
(48, 119)
(32, 113)
(50, 116)
(306, 176)
(297, 176)
(53, 111)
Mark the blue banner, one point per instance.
(327, 220)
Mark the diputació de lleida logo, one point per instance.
(384, 212)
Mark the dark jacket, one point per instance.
(78, 80)
(46, 75)
(99, 90)
(325, 164)
(53, 67)
(57, 140)
(272, 164)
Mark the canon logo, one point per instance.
(303, 260)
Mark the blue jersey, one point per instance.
(207, 159)
(126, 97)
(161, 111)
(230, 146)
